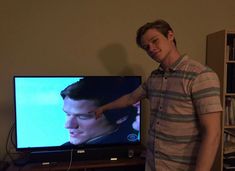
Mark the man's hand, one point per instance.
(98, 112)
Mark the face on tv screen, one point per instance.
(59, 111)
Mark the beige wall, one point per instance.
(94, 37)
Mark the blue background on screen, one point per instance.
(39, 116)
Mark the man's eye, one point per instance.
(146, 47)
(84, 116)
(154, 40)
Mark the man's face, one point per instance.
(157, 46)
(82, 124)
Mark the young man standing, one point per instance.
(185, 108)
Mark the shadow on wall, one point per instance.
(115, 59)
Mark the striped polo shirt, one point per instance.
(177, 97)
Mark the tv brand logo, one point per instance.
(132, 137)
(81, 151)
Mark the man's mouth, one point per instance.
(154, 54)
(75, 134)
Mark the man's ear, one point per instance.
(121, 120)
(170, 35)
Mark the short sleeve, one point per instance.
(206, 92)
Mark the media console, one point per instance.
(132, 164)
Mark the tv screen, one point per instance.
(57, 112)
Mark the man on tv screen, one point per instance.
(84, 96)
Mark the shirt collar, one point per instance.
(178, 62)
(173, 67)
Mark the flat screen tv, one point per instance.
(55, 115)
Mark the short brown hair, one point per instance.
(160, 25)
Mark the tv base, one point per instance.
(88, 154)
(133, 164)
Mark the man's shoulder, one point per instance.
(192, 65)
(67, 144)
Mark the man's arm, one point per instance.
(122, 102)
(211, 134)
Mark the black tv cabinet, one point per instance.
(132, 164)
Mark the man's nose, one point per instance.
(152, 48)
(71, 122)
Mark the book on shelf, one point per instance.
(226, 117)
(229, 139)
(229, 161)
(227, 53)
(229, 118)
(229, 147)
(229, 167)
(230, 51)
(230, 131)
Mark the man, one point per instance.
(84, 96)
(185, 109)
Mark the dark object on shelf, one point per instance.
(3, 165)
(231, 78)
